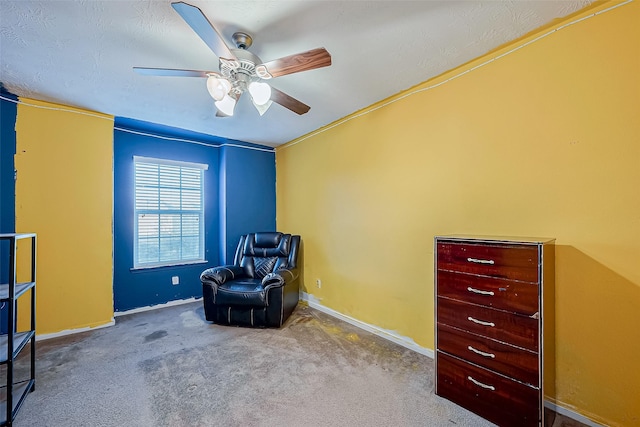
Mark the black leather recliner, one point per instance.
(261, 288)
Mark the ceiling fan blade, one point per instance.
(171, 72)
(203, 28)
(316, 58)
(288, 101)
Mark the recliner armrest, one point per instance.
(222, 274)
(279, 277)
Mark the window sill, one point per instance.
(177, 265)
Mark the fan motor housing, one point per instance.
(240, 72)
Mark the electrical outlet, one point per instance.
(175, 280)
(318, 283)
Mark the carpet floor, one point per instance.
(169, 367)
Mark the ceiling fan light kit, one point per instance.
(226, 105)
(260, 92)
(240, 70)
(217, 86)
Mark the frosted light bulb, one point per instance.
(218, 87)
(226, 105)
(260, 92)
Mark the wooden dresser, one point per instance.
(494, 322)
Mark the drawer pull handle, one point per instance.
(478, 383)
(480, 322)
(482, 353)
(481, 261)
(478, 291)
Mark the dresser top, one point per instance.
(497, 239)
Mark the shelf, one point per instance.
(20, 390)
(14, 392)
(20, 339)
(21, 288)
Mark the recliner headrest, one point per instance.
(267, 240)
(272, 244)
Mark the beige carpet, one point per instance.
(169, 367)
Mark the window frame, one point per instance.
(202, 167)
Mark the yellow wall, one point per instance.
(64, 193)
(542, 142)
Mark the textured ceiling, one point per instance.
(81, 53)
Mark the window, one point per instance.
(169, 212)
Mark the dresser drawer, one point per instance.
(510, 328)
(514, 362)
(516, 262)
(498, 399)
(518, 297)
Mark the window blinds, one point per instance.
(169, 212)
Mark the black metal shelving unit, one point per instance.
(14, 341)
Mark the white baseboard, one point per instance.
(41, 337)
(411, 345)
(113, 322)
(571, 414)
(389, 335)
(155, 307)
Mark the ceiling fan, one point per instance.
(240, 70)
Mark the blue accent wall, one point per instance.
(8, 111)
(248, 192)
(238, 173)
